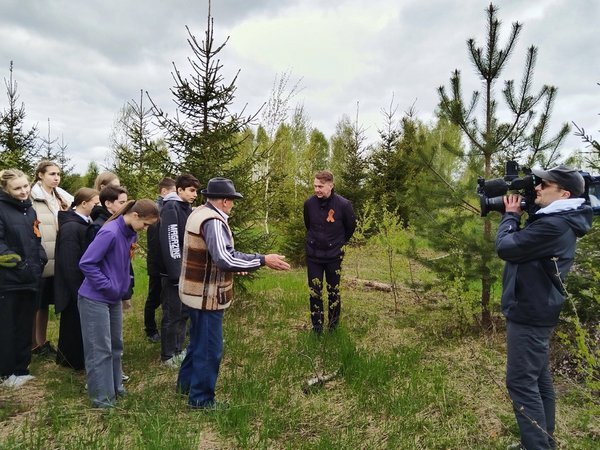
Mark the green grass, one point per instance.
(404, 381)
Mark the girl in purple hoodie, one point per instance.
(105, 265)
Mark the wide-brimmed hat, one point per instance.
(568, 178)
(220, 187)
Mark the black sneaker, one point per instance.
(209, 407)
(154, 338)
(45, 350)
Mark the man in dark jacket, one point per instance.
(538, 258)
(165, 187)
(330, 223)
(177, 206)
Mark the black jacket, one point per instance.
(99, 217)
(72, 241)
(538, 259)
(19, 234)
(153, 264)
(171, 230)
(330, 223)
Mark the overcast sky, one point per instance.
(79, 62)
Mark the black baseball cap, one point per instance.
(568, 178)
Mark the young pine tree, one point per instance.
(492, 140)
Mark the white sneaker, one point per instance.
(16, 381)
(170, 362)
(175, 360)
(9, 381)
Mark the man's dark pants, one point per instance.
(200, 367)
(152, 304)
(174, 320)
(529, 383)
(332, 272)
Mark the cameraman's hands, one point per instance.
(512, 204)
(276, 262)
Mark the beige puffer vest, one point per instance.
(48, 224)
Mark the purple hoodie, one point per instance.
(105, 263)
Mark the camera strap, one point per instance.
(551, 268)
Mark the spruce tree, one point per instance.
(393, 172)
(70, 181)
(348, 160)
(139, 160)
(205, 134)
(17, 145)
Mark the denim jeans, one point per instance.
(16, 322)
(332, 271)
(200, 367)
(175, 316)
(102, 332)
(529, 383)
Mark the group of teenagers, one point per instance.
(75, 252)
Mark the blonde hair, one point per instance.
(7, 175)
(104, 179)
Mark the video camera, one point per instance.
(491, 192)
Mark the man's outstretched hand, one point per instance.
(276, 262)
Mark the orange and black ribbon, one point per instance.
(36, 228)
(330, 216)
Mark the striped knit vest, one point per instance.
(202, 285)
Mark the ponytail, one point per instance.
(144, 208)
(61, 201)
(83, 194)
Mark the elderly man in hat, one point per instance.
(205, 285)
(538, 258)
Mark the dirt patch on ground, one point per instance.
(19, 406)
(209, 440)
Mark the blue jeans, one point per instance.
(529, 383)
(200, 367)
(102, 332)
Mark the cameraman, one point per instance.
(538, 258)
